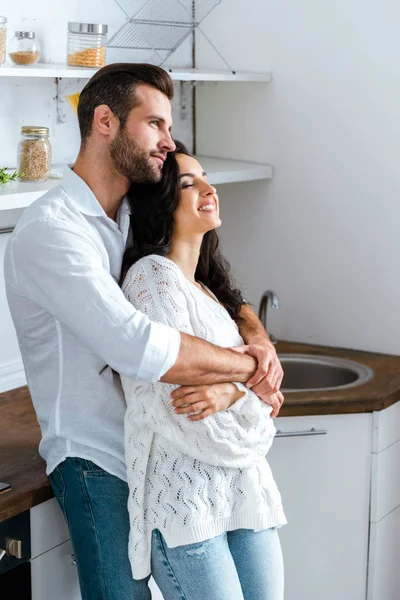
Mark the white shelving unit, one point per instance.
(63, 71)
(19, 194)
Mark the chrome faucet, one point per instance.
(262, 311)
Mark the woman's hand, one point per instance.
(208, 399)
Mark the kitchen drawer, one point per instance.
(385, 486)
(54, 575)
(48, 527)
(386, 428)
(384, 558)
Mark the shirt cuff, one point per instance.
(160, 353)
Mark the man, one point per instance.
(62, 267)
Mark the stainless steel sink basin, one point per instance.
(309, 372)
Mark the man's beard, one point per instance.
(131, 161)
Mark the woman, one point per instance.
(203, 504)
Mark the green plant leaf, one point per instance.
(6, 177)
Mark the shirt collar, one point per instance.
(83, 197)
(123, 218)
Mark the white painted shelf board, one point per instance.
(200, 75)
(222, 170)
(61, 70)
(46, 70)
(20, 194)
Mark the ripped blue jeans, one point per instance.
(237, 565)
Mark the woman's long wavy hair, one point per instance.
(152, 221)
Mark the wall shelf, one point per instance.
(17, 195)
(221, 170)
(61, 70)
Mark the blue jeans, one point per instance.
(94, 504)
(238, 565)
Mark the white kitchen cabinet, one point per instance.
(384, 555)
(54, 575)
(53, 572)
(384, 563)
(48, 527)
(324, 479)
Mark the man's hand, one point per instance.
(275, 400)
(268, 377)
(208, 399)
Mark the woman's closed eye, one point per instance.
(187, 184)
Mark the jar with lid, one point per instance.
(87, 45)
(34, 154)
(3, 39)
(24, 48)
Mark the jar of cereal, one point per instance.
(34, 154)
(24, 48)
(3, 39)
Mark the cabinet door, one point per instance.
(384, 571)
(322, 467)
(54, 576)
(48, 527)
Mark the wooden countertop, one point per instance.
(23, 468)
(20, 462)
(380, 392)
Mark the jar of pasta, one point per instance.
(87, 45)
(34, 154)
(3, 39)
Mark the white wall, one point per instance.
(324, 233)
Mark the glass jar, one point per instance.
(24, 48)
(87, 45)
(3, 39)
(34, 154)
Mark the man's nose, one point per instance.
(168, 143)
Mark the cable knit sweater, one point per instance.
(191, 480)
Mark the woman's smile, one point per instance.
(209, 207)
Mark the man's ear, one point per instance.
(105, 121)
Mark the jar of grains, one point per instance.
(3, 39)
(24, 48)
(87, 45)
(34, 154)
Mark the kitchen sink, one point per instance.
(309, 372)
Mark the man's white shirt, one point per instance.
(62, 266)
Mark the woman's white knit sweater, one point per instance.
(191, 480)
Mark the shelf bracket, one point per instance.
(59, 98)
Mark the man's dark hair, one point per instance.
(115, 85)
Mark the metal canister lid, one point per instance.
(94, 28)
(34, 130)
(30, 35)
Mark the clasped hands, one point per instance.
(201, 401)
